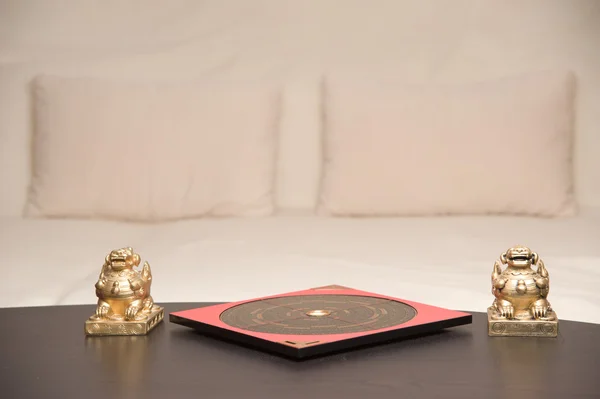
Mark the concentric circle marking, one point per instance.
(318, 314)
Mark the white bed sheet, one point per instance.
(441, 261)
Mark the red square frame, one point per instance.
(428, 319)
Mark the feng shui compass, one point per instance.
(318, 321)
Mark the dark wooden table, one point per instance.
(45, 354)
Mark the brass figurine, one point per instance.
(125, 306)
(521, 307)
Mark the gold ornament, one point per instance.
(521, 307)
(125, 306)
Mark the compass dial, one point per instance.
(318, 314)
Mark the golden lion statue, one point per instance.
(123, 293)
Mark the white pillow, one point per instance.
(497, 147)
(152, 151)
